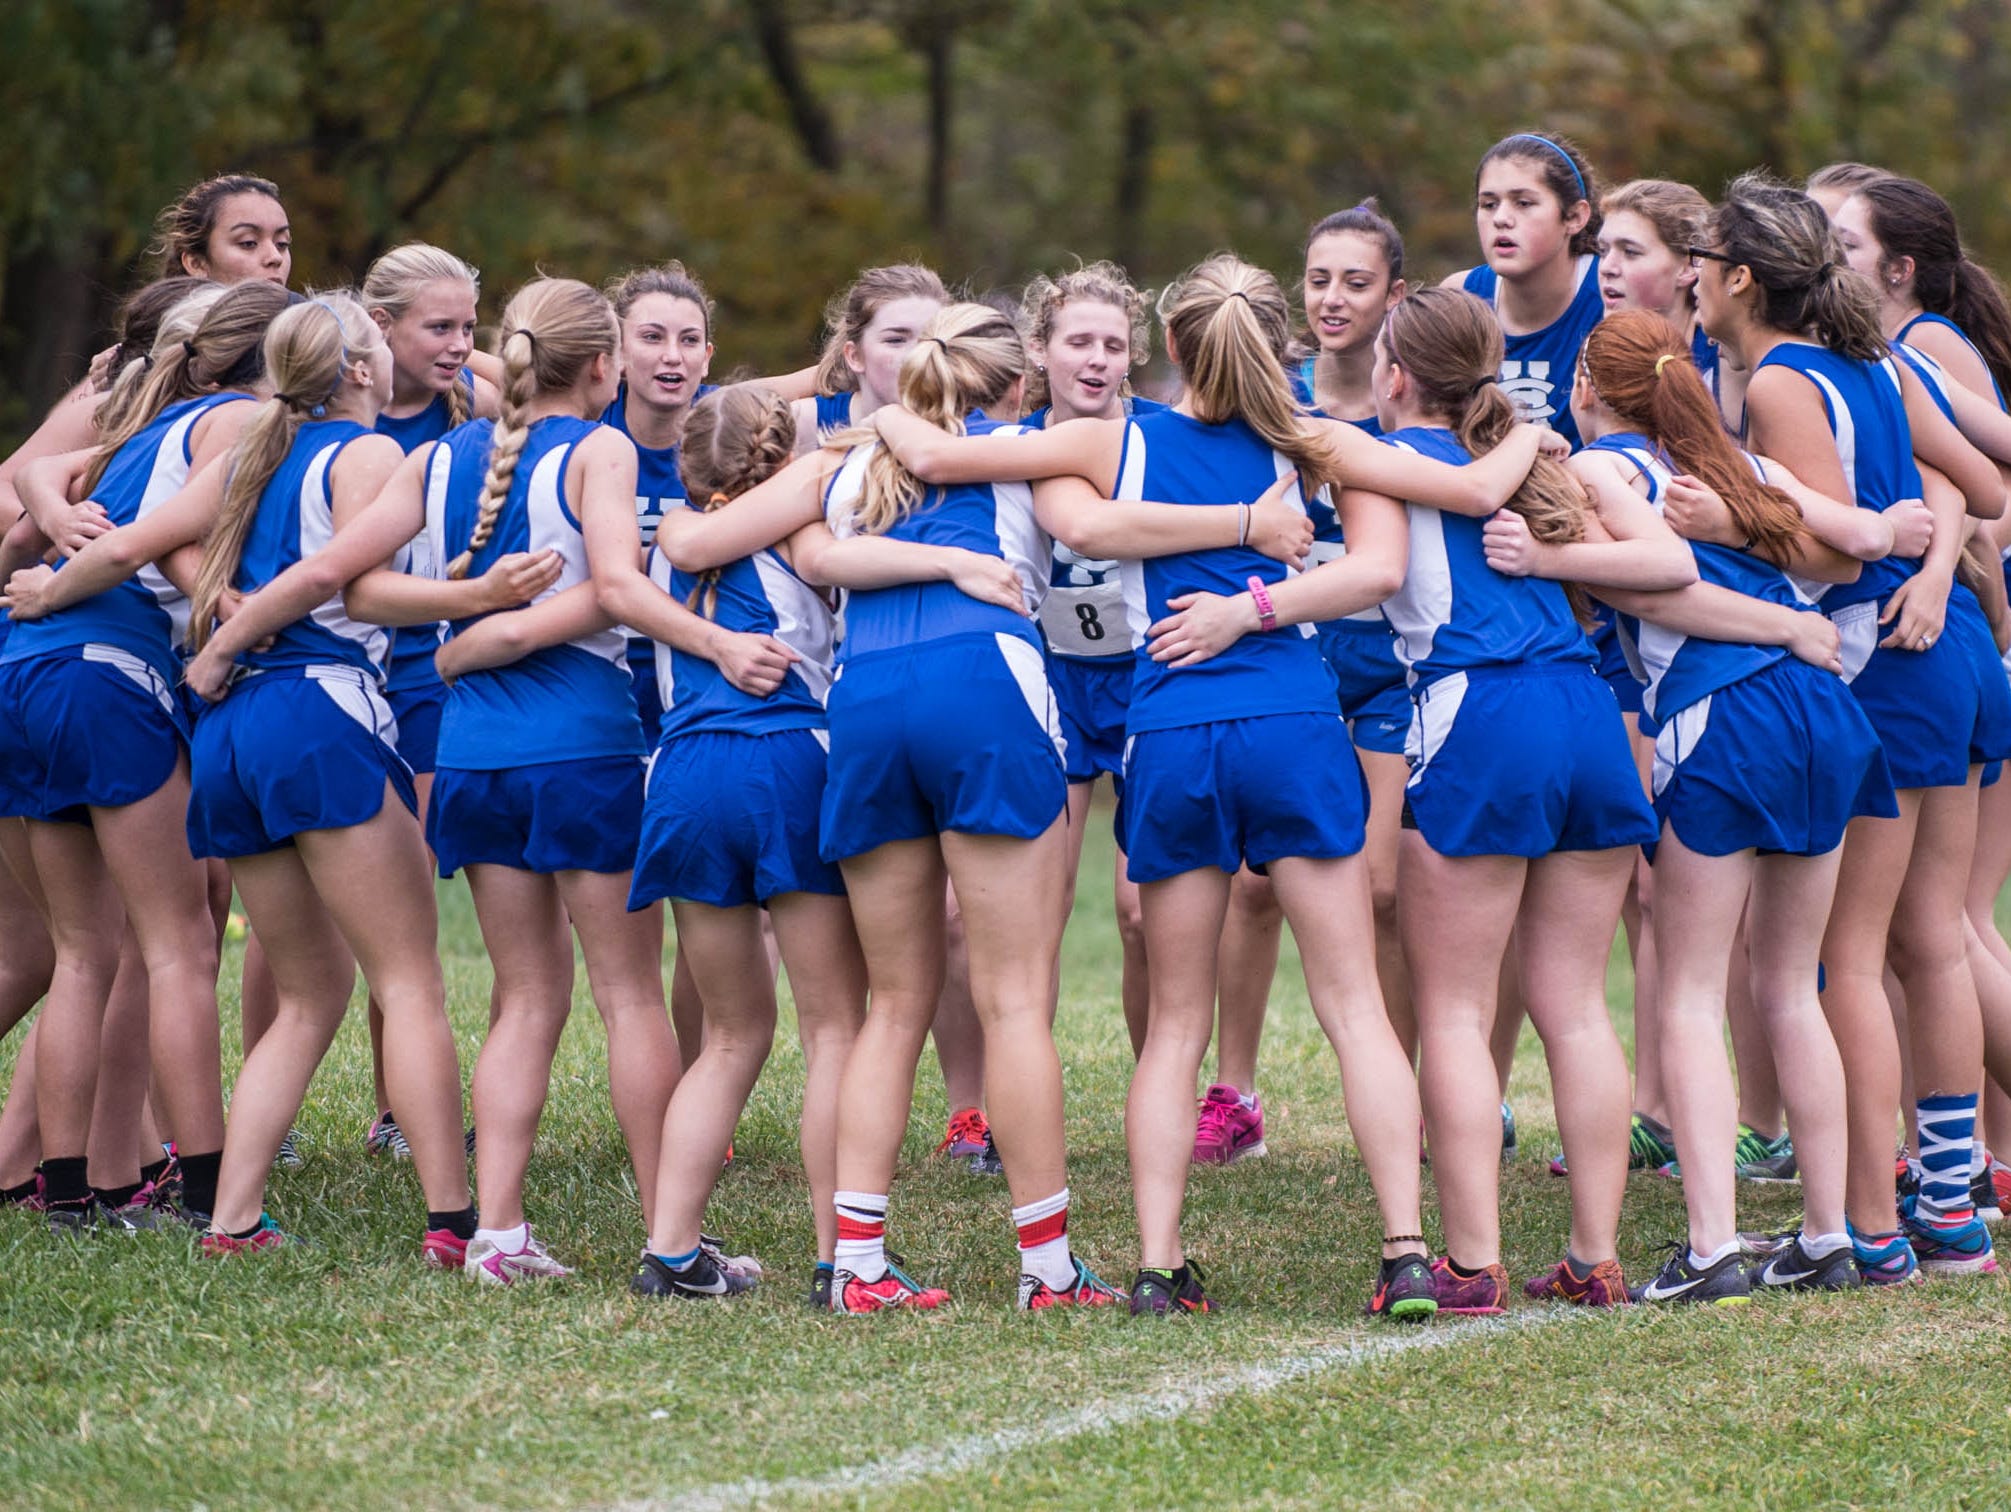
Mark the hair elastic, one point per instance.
(938, 341)
(189, 349)
(1490, 378)
(1239, 294)
(717, 498)
(1530, 136)
(1664, 360)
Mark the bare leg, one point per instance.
(827, 979)
(1386, 775)
(1183, 930)
(960, 1040)
(624, 959)
(1251, 935)
(1570, 907)
(117, 1150)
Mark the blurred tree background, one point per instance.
(778, 145)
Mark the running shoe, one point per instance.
(386, 1138)
(1723, 1284)
(289, 1157)
(1904, 1179)
(139, 1216)
(492, 1265)
(1225, 1131)
(74, 1218)
(1792, 1268)
(443, 1249)
(896, 1289)
(1983, 1193)
(988, 1162)
(1884, 1259)
(1165, 1292)
(965, 1136)
(2000, 1184)
(1507, 1134)
(820, 1287)
(714, 1249)
(1776, 1167)
(1087, 1290)
(468, 1139)
(266, 1236)
(35, 1199)
(1651, 1144)
(1763, 1246)
(700, 1279)
(1962, 1250)
(1747, 1148)
(1602, 1286)
(1408, 1293)
(1483, 1295)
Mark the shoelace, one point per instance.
(1214, 1119)
(965, 1125)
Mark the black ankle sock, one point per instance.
(1391, 1263)
(199, 1181)
(153, 1170)
(460, 1224)
(66, 1181)
(1179, 1274)
(1461, 1271)
(116, 1197)
(18, 1194)
(247, 1233)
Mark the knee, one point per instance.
(1130, 922)
(1918, 947)
(1383, 902)
(1253, 896)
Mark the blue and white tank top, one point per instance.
(146, 615)
(761, 595)
(1327, 541)
(658, 487)
(1867, 416)
(1455, 613)
(412, 646)
(1682, 669)
(834, 413)
(1171, 458)
(1537, 368)
(993, 519)
(295, 518)
(1083, 614)
(560, 703)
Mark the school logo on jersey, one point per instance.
(1082, 571)
(1528, 385)
(648, 515)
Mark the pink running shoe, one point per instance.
(965, 1135)
(266, 1236)
(1226, 1131)
(1482, 1295)
(443, 1249)
(492, 1265)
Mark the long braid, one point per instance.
(520, 387)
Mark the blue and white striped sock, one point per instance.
(1947, 1125)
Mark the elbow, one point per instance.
(1386, 579)
(1679, 570)
(1989, 505)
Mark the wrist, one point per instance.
(1260, 601)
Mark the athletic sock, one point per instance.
(1578, 1270)
(199, 1181)
(1043, 1240)
(1816, 1246)
(1705, 1262)
(460, 1224)
(153, 1171)
(247, 1233)
(1979, 1159)
(1461, 1271)
(19, 1194)
(67, 1186)
(679, 1262)
(116, 1197)
(862, 1233)
(1947, 1125)
(510, 1241)
(1247, 1100)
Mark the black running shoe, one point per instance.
(820, 1288)
(1161, 1292)
(1406, 1293)
(986, 1162)
(1723, 1284)
(1507, 1134)
(701, 1279)
(75, 1218)
(1795, 1269)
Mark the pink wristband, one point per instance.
(1267, 614)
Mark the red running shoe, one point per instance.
(895, 1289)
(1603, 1287)
(965, 1136)
(1088, 1290)
(1481, 1296)
(266, 1236)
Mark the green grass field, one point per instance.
(133, 1374)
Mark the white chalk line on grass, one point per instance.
(954, 1456)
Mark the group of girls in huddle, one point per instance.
(309, 587)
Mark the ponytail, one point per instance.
(306, 351)
(552, 331)
(1910, 220)
(735, 438)
(1450, 345)
(1785, 240)
(1640, 366)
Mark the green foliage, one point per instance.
(777, 146)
